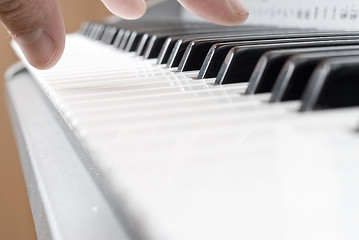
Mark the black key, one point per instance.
(334, 84)
(297, 71)
(170, 42)
(140, 51)
(267, 70)
(144, 40)
(218, 52)
(89, 29)
(132, 36)
(126, 25)
(136, 39)
(117, 40)
(241, 61)
(142, 43)
(197, 51)
(93, 30)
(109, 35)
(141, 34)
(133, 41)
(131, 32)
(157, 41)
(166, 50)
(270, 64)
(96, 30)
(206, 34)
(99, 32)
(181, 45)
(84, 28)
(125, 39)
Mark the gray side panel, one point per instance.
(65, 201)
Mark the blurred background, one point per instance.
(15, 214)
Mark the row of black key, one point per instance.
(319, 67)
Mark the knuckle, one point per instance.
(9, 6)
(15, 15)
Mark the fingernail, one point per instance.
(38, 48)
(239, 7)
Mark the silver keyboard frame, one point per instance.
(65, 200)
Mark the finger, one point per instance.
(128, 9)
(225, 12)
(37, 27)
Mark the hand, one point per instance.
(38, 28)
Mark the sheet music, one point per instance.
(329, 14)
(305, 13)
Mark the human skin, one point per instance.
(38, 28)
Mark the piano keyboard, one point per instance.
(207, 132)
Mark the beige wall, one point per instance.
(15, 215)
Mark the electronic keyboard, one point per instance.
(195, 131)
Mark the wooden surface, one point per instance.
(15, 215)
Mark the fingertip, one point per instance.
(38, 29)
(239, 18)
(39, 49)
(241, 11)
(127, 9)
(224, 12)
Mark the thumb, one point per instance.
(225, 12)
(37, 27)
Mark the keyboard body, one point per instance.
(171, 156)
